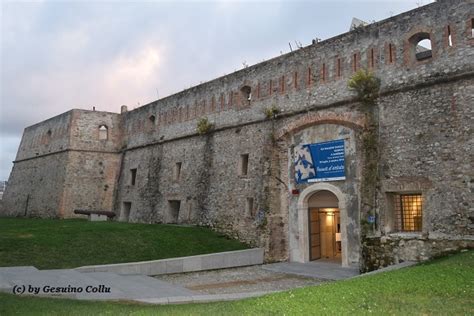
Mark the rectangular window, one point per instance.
(323, 73)
(354, 62)
(310, 77)
(177, 171)
(244, 164)
(408, 212)
(339, 68)
(249, 207)
(133, 176)
(450, 37)
(472, 28)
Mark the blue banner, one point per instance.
(320, 162)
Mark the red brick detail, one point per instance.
(238, 99)
(309, 78)
(469, 32)
(194, 111)
(409, 58)
(349, 119)
(295, 80)
(282, 84)
(270, 87)
(338, 67)
(449, 31)
(222, 102)
(372, 58)
(324, 73)
(231, 101)
(355, 61)
(390, 54)
(213, 104)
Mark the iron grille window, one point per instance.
(409, 211)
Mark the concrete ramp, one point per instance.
(69, 283)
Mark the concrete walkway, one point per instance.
(111, 286)
(321, 269)
(89, 286)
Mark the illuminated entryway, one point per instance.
(324, 226)
(330, 203)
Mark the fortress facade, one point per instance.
(295, 162)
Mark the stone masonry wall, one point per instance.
(426, 147)
(35, 183)
(62, 165)
(425, 117)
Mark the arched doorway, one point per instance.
(302, 234)
(324, 229)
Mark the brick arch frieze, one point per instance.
(350, 119)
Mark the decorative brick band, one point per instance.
(352, 120)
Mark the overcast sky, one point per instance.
(58, 55)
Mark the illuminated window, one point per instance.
(408, 212)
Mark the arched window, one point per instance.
(103, 132)
(246, 92)
(152, 119)
(421, 46)
(47, 138)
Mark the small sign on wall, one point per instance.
(320, 162)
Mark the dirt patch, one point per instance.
(238, 280)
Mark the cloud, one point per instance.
(60, 55)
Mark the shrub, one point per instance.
(272, 111)
(204, 126)
(366, 85)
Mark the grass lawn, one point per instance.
(72, 243)
(441, 287)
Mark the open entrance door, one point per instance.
(314, 234)
(324, 233)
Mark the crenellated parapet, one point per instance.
(316, 76)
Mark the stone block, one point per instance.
(174, 265)
(192, 264)
(97, 218)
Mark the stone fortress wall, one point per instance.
(425, 113)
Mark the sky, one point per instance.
(59, 55)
